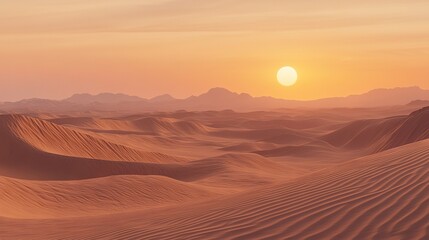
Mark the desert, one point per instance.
(277, 174)
(214, 120)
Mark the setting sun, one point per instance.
(287, 76)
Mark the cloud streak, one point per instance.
(28, 17)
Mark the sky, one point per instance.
(55, 48)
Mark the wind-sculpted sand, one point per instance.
(286, 174)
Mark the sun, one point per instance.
(287, 76)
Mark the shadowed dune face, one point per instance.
(287, 174)
(382, 134)
(414, 128)
(363, 133)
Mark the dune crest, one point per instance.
(146, 125)
(52, 138)
(414, 128)
(382, 134)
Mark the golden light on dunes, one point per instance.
(287, 76)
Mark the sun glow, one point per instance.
(287, 76)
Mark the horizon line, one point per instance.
(212, 88)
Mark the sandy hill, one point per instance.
(382, 196)
(365, 133)
(382, 134)
(36, 149)
(287, 174)
(377, 197)
(52, 138)
(55, 199)
(169, 126)
(413, 128)
(149, 125)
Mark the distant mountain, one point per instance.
(220, 98)
(162, 98)
(37, 105)
(377, 98)
(419, 103)
(217, 99)
(102, 98)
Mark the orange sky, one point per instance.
(54, 48)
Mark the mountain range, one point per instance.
(216, 99)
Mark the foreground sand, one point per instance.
(328, 174)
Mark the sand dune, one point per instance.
(19, 160)
(243, 170)
(363, 133)
(291, 174)
(41, 199)
(414, 128)
(149, 125)
(52, 138)
(298, 151)
(290, 123)
(32, 149)
(381, 196)
(249, 147)
(168, 126)
(30, 163)
(275, 135)
(382, 134)
(377, 197)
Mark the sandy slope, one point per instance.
(149, 125)
(378, 197)
(381, 134)
(375, 197)
(39, 150)
(48, 199)
(292, 174)
(414, 128)
(48, 137)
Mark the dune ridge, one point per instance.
(414, 128)
(32, 150)
(52, 138)
(149, 125)
(382, 134)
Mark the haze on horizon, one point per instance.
(53, 49)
